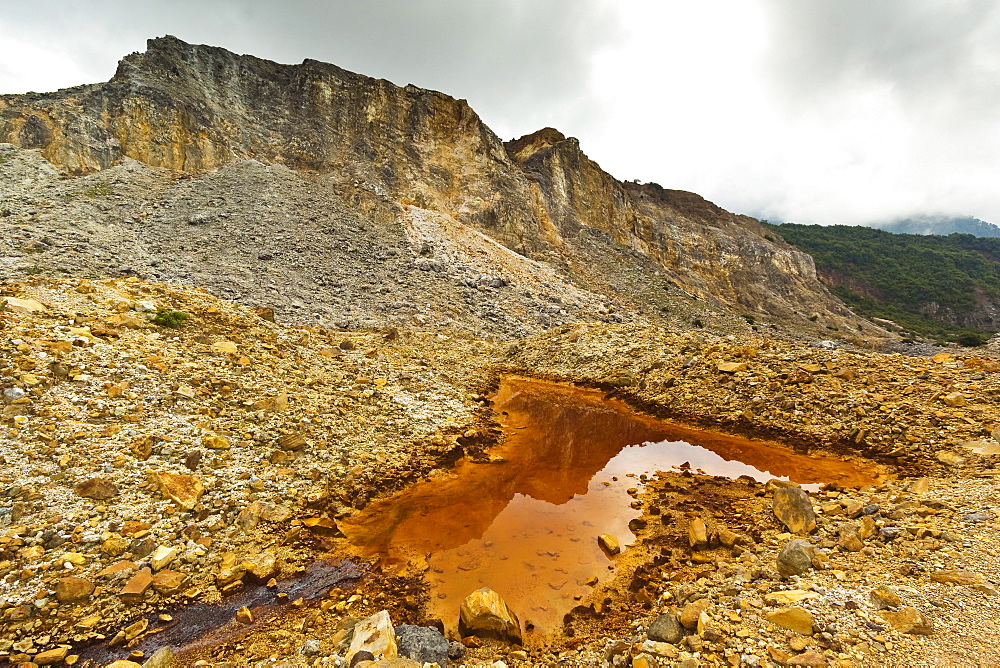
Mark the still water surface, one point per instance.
(526, 526)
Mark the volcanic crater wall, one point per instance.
(195, 108)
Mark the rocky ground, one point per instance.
(147, 469)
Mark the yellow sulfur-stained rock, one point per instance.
(184, 490)
(485, 615)
(794, 618)
(609, 544)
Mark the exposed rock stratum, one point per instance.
(309, 188)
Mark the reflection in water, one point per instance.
(526, 526)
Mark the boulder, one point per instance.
(485, 615)
(422, 643)
(792, 507)
(666, 628)
(795, 557)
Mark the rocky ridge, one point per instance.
(377, 162)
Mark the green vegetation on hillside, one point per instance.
(895, 276)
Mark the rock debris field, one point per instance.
(147, 468)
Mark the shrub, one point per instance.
(165, 317)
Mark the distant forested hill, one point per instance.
(940, 225)
(944, 287)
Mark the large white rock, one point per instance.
(374, 634)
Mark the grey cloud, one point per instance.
(932, 55)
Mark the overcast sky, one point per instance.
(815, 111)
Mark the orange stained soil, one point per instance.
(526, 524)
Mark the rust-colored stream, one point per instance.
(526, 525)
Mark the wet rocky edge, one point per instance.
(75, 566)
(924, 413)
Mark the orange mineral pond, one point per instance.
(526, 524)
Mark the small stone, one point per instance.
(698, 534)
(292, 442)
(810, 658)
(731, 367)
(262, 566)
(162, 556)
(215, 442)
(71, 589)
(244, 616)
(868, 528)
(981, 447)
(485, 615)
(920, 486)
(955, 400)
(729, 538)
(663, 649)
(666, 628)
(225, 347)
(849, 539)
(885, 597)
(161, 658)
(101, 489)
(375, 635)
(184, 490)
(949, 458)
(51, 656)
(795, 618)
(133, 631)
(795, 557)
(456, 651)
(908, 620)
(792, 507)
(691, 612)
(24, 305)
(959, 577)
(137, 585)
(168, 583)
(609, 544)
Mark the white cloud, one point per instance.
(848, 111)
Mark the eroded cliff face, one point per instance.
(705, 249)
(391, 149)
